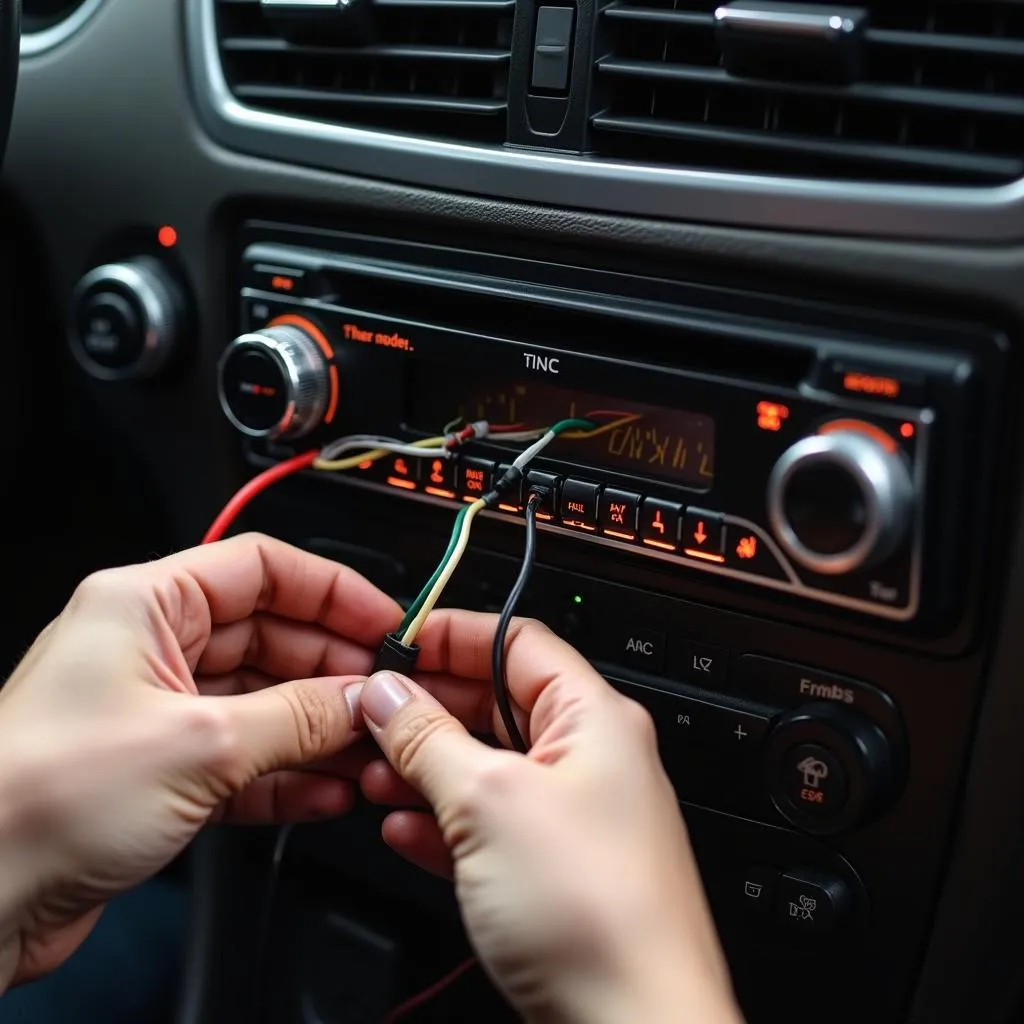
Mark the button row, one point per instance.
(586, 506)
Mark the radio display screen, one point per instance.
(675, 445)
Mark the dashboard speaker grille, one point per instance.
(435, 68)
(939, 97)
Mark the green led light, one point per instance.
(578, 599)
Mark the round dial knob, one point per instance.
(274, 383)
(829, 768)
(126, 319)
(839, 501)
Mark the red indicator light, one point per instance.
(167, 237)
(907, 430)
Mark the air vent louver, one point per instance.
(940, 98)
(433, 68)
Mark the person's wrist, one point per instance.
(15, 883)
(654, 982)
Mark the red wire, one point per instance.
(607, 412)
(506, 428)
(257, 485)
(414, 1003)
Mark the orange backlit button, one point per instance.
(474, 478)
(283, 280)
(659, 524)
(438, 477)
(703, 535)
(578, 506)
(884, 384)
(617, 514)
(401, 472)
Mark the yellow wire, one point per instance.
(353, 461)
(452, 564)
(579, 435)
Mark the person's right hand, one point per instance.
(572, 864)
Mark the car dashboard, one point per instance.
(779, 245)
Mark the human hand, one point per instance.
(572, 864)
(149, 708)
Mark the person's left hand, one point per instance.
(164, 697)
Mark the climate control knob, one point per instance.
(126, 319)
(840, 500)
(275, 382)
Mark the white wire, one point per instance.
(331, 451)
(534, 450)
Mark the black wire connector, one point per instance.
(394, 656)
(499, 675)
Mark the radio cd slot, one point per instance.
(651, 330)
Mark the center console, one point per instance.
(765, 545)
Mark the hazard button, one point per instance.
(639, 648)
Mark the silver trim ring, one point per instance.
(883, 480)
(35, 43)
(156, 295)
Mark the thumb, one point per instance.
(425, 744)
(293, 724)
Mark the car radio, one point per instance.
(807, 458)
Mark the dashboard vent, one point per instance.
(435, 68)
(940, 96)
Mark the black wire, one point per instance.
(498, 674)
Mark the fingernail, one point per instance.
(383, 694)
(355, 707)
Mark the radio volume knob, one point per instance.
(840, 501)
(274, 383)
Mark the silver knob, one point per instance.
(840, 501)
(274, 383)
(126, 319)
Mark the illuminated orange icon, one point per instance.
(282, 284)
(869, 384)
(578, 507)
(700, 535)
(474, 480)
(771, 414)
(365, 465)
(907, 430)
(437, 472)
(657, 523)
(401, 467)
(747, 547)
(617, 513)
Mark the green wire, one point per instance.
(559, 428)
(563, 425)
(415, 607)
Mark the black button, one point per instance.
(439, 477)
(618, 513)
(703, 532)
(809, 903)
(701, 663)
(512, 497)
(475, 477)
(110, 331)
(814, 780)
(639, 648)
(552, 51)
(659, 523)
(549, 506)
(579, 503)
(712, 753)
(756, 887)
